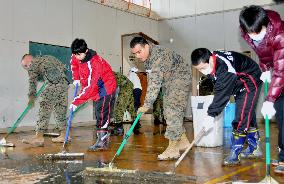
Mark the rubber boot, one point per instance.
(61, 138)
(116, 129)
(280, 168)
(237, 146)
(171, 153)
(102, 141)
(253, 150)
(183, 143)
(136, 129)
(36, 140)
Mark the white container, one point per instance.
(214, 137)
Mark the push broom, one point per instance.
(268, 178)
(3, 141)
(111, 172)
(64, 154)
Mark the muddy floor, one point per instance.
(24, 164)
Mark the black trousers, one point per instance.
(104, 108)
(279, 107)
(246, 101)
(137, 95)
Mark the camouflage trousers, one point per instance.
(174, 104)
(124, 101)
(54, 98)
(158, 111)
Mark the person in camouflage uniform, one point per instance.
(124, 100)
(53, 98)
(168, 71)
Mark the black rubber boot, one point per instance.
(136, 129)
(102, 141)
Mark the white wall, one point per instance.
(56, 22)
(213, 31)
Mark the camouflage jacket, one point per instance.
(123, 82)
(165, 67)
(48, 68)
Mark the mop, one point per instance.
(3, 141)
(64, 154)
(111, 172)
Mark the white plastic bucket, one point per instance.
(214, 136)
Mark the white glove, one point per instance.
(73, 107)
(268, 109)
(266, 76)
(75, 82)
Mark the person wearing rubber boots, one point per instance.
(233, 74)
(168, 71)
(54, 96)
(263, 30)
(125, 101)
(137, 87)
(98, 83)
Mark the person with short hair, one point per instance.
(137, 88)
(98, 83)
(233, 74)
(168, 71)
(53, 98)
(263, 30)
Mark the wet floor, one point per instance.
(23, 164)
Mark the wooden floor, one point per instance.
(140, 153)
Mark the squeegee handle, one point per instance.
(267, 136)
(70, 119)
(128, 134)
(11, 129)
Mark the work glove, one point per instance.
(75, 82)
(143, 110)
(268, 109)
(266, 76)
(209, 123)
(73, 107)
(31, 100)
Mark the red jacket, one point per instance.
(271, 53)
(95, 75)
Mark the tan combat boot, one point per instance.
(36, 140)
(183, 143)
(61, 138)
(171, 153)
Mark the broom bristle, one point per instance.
(67, 156)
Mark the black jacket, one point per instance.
(232, 72)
